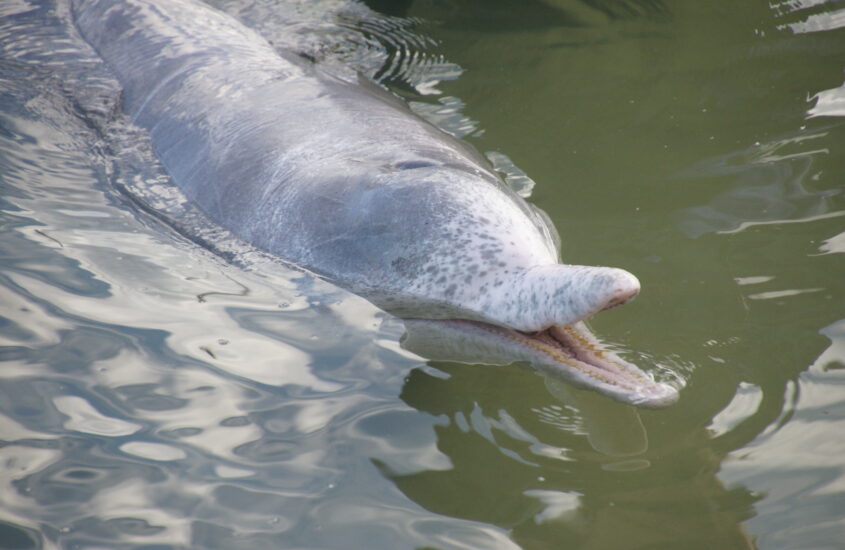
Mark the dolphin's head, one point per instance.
(447, 254)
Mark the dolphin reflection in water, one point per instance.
(338, 176)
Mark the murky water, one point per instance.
(155, 396)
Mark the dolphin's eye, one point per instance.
(413, 164)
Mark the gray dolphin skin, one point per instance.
(339, 177)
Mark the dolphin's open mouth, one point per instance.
(581, 358)
(570, 352)
(579, 350)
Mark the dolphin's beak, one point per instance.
(548, 332)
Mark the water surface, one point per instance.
(154, 395)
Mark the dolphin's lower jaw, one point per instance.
(578, 356)
(569, 352)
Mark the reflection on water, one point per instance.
(153, 395)
(829, 103)
(504, 474)
(803, 20)
(611, 431)
(769, 182)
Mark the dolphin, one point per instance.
(338, 176)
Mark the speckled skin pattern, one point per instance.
(336, 176)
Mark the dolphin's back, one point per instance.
(241, 127)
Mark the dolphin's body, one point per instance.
(341, 178)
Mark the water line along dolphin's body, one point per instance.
(340, 177)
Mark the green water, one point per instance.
(673, 140)
(153, 396)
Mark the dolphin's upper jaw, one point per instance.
(553, 294)
(621, 296)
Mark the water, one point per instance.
(154, 395)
